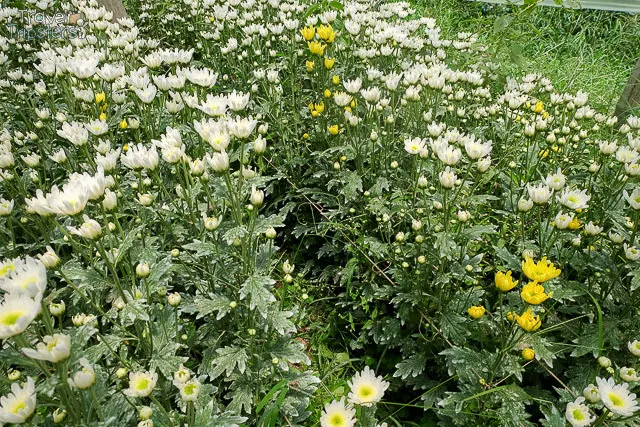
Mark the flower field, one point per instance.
(291, 213)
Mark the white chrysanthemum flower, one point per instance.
(591, 393)
(182, 375)
(84, 378)
(556, 181)
(366, 388)
(447, 178)
(337, 414)
(139, 157)
(90, 229)
(562, 220)
(74, 132)
(628, 374)
(54, 348)
(634, 347)
(214, 106)
(28, 277)
(141, 384)
(17, 311)
(592, 229)
(97, 127)
(616, 397)
(241, 127)
(577, 413)
(18, 405)
(539, 194)
(413, 145)
(574, 199)
(189, 390)
(71, 200)
(633, 199)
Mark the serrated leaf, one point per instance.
(126, 244)
(204, 306)
(255, 287)
(412, 366)
(227, 359)
(279, 320)
(165, 360)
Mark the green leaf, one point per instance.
(279, 320)
(255, 287)
(165, 360)
(502, 23)
(269, 395)
(204, 306)
(201, 248)
(126, 244)
(413, 366)
(227, 360)
(552, 417)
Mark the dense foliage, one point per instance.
(204, 203)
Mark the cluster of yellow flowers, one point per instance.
(317, 47)
(533, 293)
(100, 100)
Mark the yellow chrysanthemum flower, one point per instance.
(319, 107)
(316, 48)
(328, 63)
(533, 293)
(575, 224)
(326, 33)
(327, 93)
(335, 80)
(528, 354)
(529, 321)
(124, 124)
(541, 271)
(308, 32)
(314, 114)
(103, 116)
(505, 282)
(476, 311)
(539, 107)
(333, 130)
(544, 153)
(100, 97)
(511, 316)
(310, 65)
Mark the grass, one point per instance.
(587, 50)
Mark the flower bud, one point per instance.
(49, 259)
(288, 278)
(270, 233)
(605, 362)
(145, 413)
(57, 309)
(257, 197)
(175, 253)
(174, 299)
(143, 270)
(59, 415)
(14, 375)
(288, 268)
(121, 372)
(211, 223)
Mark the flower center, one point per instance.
(18, 406)
(142, 384)
(11, 318)
(578, 415)
(366, 391)
(337, 420)
(615, 399)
